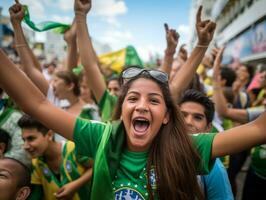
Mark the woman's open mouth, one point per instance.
(140, 125)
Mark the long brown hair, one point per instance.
(171, 154)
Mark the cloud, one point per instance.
(36, 8)
(106, 8)
(148, 51)
(116, 39)
(184, 32)
(183, 29)
(66, 5)
(112, 21)
(62, 19)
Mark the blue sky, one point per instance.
(120, 23)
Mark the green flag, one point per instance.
(44, 26)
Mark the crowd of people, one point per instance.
(181, 130)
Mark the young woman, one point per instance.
(65, 85)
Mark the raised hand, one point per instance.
(71, 34)
(182, 53)
(16, 12)
(217, 54)
(205, 29)
(82, 6)
(171, 38)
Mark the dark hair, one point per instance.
(229, 75)
(171, 154)
(202, 99)
(24, 173)
(28, 122)
(5, 138)
(250, 70)
(114, 77)
(1, 90)
(69, 78)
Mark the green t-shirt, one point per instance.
(258, 157)
(107, 105)
(70, 170)
(90, 111)
(129, 176)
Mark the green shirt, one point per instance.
(107, 105)
(70, 170)
(90, 111)
(127, 169)
(258, 158)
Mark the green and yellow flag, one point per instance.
(44, 26)
(119, 59)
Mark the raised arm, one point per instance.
(238, 115)
(205, 30)
(29, 98)
(29, 62)
(87, 54)
(171, 41)
(70, 37)
(240, 138)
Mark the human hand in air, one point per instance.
(217, 55)
(171, 38)
(16, 12)
(82, 6)
(182, 53)
(205, 29)
(71, 34)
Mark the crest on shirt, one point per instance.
(152, 178)
(68, 167)
(127, 194)
(46, 172)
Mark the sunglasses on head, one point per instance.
(133, 72)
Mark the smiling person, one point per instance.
(127, 152)
(56, 173)
(198, 111)
(64, 84)
(14, 180)
(146, 153)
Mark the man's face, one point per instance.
(195, 117)
(35, 143)
(8, 179)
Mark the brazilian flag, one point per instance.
(117, 60)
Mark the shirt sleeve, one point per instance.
(203, 144)
(254, 113)
(217, 183)
(87, 135)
